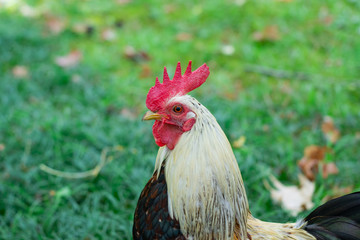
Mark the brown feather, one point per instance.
(152, 219)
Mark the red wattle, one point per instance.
(169, 134)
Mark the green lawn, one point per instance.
(273, 86)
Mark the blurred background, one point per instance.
(284, 86)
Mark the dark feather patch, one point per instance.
(152, 219)
(338, 219)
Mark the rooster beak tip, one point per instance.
(152, 116)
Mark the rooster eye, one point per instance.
(177, 109)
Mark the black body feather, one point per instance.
(152, 220)
(338, 219)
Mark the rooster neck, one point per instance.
(205, 189)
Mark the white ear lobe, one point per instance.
(190, 115)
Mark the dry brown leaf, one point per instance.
(315, 152)
(52, 193)
(266, 128)
(80, 28)
(270, 33)
(169, 8)
(145, 71)
(325, 17)
(183, 37)
(239, 142)
(285, 87)
(309, 164)
(313, 157)
(131, 54)
(70, 60)
(123, 2)
(108, 34)
(327, 20)
(54, 24)
(128, 114)
(292, 198)
(2, 147)
(119, 148)
(76, 78)
(20, 71)
(309, 167)
(331, 133)
(329, 169)
(357, 135)
(333, 62)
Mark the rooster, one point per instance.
(197, 192)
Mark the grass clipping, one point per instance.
(78, 175)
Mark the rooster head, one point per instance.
(173, 115)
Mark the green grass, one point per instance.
(50, 118)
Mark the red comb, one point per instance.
(180, 85)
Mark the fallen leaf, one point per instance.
(325, 17)
(292, 198)
(136, 56)
(357, 135)
(28, 11)
(309, 164)
(285, 87)
(329, 169)
(333, 62)
(69, 60)
(265, 128)
(119, 148)
(128, 114)
(129, 52)
(2, 147)
(144, 55)
(169, 8)
(309, 167)
(20, 71)
(315, 152)
(145, 71)
(183, 37)
(331, 133)
(55, 24)
(76, 78)
(123, 2)
(239, 142)
(270, 33)
(108, 34)
(240, 2)
(80, 28)
(313, 159)
(227, 49)
(327, 20)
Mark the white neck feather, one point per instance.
(205, 188)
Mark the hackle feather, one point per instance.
(205, 188)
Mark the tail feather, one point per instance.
(338, 219)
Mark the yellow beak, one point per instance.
(152, 116)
